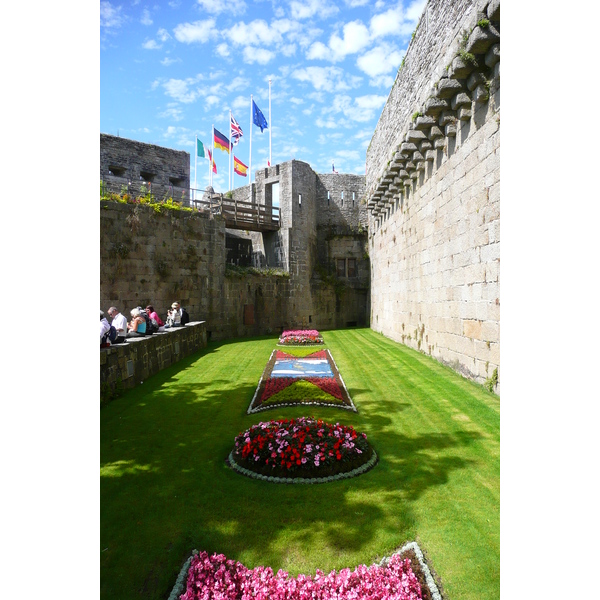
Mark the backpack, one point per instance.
(185, 318)
(153, 325)
(149, 329)
(110, 335)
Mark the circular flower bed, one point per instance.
(303, 450)
(300, 337)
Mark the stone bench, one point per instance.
(132, 362)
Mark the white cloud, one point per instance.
(317, 51)
(355, 38)
(163, 35)
(380, 60)
(241, 103)
(355, 3)
(330, 123)
(238, 7)
(223, 50)
(167, 62)
(322, 78)
(146, 18)
(110, 16)
(258, 55)
(199, 31)
(172, 112)
(179, 89)
(415, 10)
(360, 109)
(307, 9)
(212, 100)
(238, 83)
(387, 23)
(151, 45)
(254, 33)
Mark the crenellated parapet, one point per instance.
(407, 146)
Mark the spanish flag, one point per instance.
(239, 167)
(221, 141)
(211, 161)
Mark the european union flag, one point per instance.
(258, 118)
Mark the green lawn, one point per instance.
(165, 488)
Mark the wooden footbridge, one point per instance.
(238, 214)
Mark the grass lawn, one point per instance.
(165, 488)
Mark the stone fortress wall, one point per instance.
(147, 257)
(130, 165)
(433, 192)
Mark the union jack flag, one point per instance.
(236, 131)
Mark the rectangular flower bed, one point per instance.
(290, 380)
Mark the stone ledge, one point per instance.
(132, 362)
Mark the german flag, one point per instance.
(221, 141)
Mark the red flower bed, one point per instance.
(304, 447)
(300, 337)
(273, 385)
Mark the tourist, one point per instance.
(137, 325)
(154, 315)
(119, 322)
(177, 316)
(104, 329)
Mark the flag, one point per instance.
(221, 141)
(236, 131)
(211, 161)
(239, 167)
(258, 118)
(200, 149)
(333, 167)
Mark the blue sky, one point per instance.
(170, 71)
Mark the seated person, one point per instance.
(179, 314)
(119, 322)
(154, 315)
(104, 329)
(137, 325)
(174, 316)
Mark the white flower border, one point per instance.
(348, 475)
(258, 409)
(179, 587)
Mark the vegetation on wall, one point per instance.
(237, 271)
(146, 197)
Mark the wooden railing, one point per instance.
(239, 214)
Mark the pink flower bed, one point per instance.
(300, 337)
(216, 577)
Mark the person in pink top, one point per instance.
(154, 315)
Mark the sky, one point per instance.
(170, 71)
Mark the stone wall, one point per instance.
(129, 364)
(433, 183)
(152, 258)
(130, 165)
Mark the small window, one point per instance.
(116, 171)
(327, 198)
(352, 199)
(176, 181)
(351, 267)
(299, 199)
(341, 267)
(342, 198)
(147, 176)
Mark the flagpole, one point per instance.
(270, 124)
(213, 153)
(229, 157)
(196, 168)
(250, 166)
